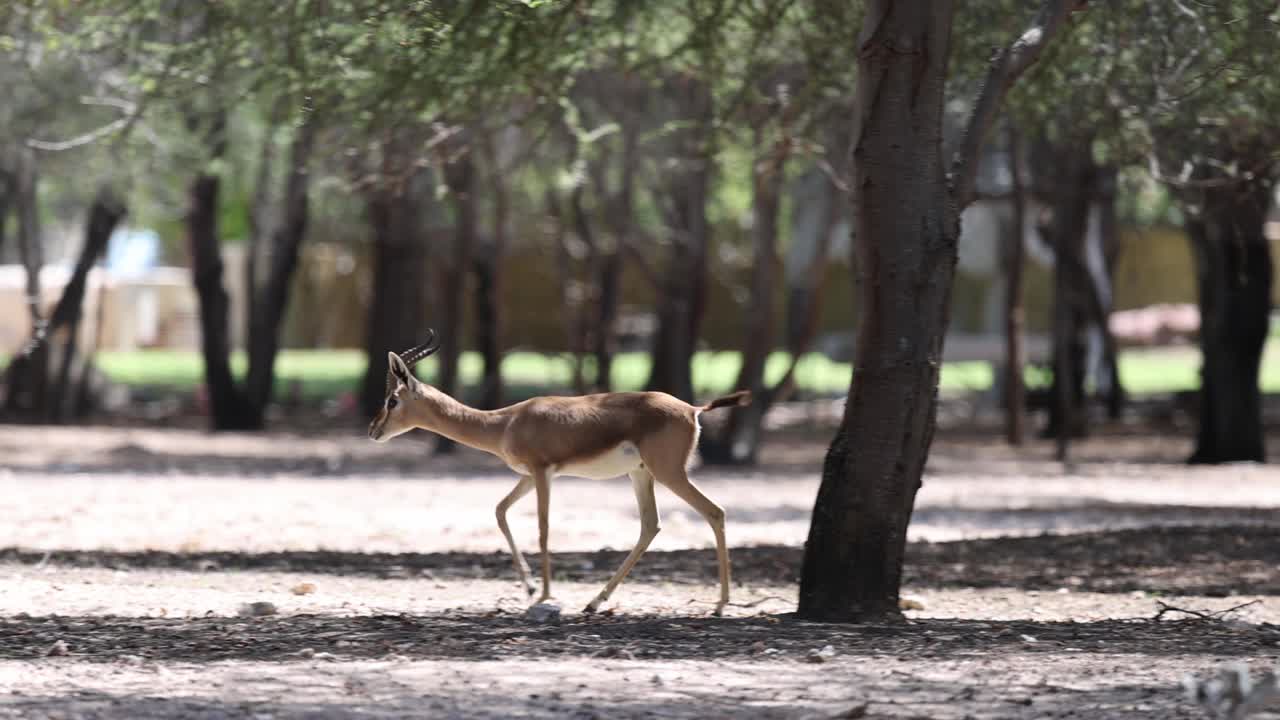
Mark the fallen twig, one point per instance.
(1203, 615)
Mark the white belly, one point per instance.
(619, 461)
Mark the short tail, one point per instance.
(742, 397)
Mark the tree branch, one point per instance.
(1005, 69)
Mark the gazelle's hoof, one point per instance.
(590, 609)
(719, 611)
(530, 590)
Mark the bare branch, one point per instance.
(1005, 69)
(80, 140)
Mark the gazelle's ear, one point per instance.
(398, 368)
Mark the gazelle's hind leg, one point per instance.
(521, 489)
(673, 476)
(642, 483)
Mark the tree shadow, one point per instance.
(499, 635)
(858, 693)
(1187, 559)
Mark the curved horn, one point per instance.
(415, 354)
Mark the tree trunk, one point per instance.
(6, 199)
(400, 281)
(578, 294)
(105, 214)
(1068, 179)
(460, 177)
(61, 395)
(229, 410)
(683, 297)
(1234, 274)
(27, 377)
(609, 261)
(272, 299)
(906, 231)
(1103, 298)
(488, 290)
(1015, 389)
(739, 441)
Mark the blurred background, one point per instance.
(224, 215)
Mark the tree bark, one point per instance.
(62, 394)
(272, 299)
(739, 441)
(906, 227)
(906, 231)
(228, 407)
(1068, 181)
(488, 289)
(459, 175)
(683, 297)
(1015, 399)
(105, 214)
(400, 283)
(1103, 297)
(27, 377)
(1234, 274)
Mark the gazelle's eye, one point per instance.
(392, 402)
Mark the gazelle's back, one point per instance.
(555, 431)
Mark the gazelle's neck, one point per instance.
(461, 423)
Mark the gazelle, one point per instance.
(649, 436)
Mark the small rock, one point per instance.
(306, 653)
(910, 603)
(134, 660)
(657, 680)
(58, 649)
(543, 612)
(1028, 639)
(305, 588)
(615, 652)
(857, 711)
(261, 608)
(820, 656)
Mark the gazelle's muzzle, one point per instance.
(375, 427)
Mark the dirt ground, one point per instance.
(127, 556)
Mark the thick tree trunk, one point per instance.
(105, 214)
(683, 297)
(906, 230)
(272, 299)
(228, 408)
(738, 442)
(400, 290)
(1234, 273)
(1015, 389)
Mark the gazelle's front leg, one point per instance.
(642, 483)
(542, 484)
(521, 489)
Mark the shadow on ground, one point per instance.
(1188, 559)
(498, 635)
(903, 694)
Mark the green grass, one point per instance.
(325, 373)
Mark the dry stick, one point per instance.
(1215, 615)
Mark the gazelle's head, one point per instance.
(403, 389)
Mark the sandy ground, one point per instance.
(126, 556)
